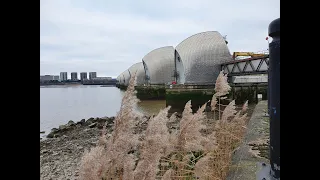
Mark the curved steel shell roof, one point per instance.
(139, 70)
(121, 77)
(198, 58)
(126, 77)
(118, 79)
(159, 65)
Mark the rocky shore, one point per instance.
(61, 152)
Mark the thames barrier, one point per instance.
(189, 70)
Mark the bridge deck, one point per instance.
(258, 65)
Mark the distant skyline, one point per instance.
(78, 74)
(108, 37)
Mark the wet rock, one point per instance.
(93, 125)
(78, 125)
(60, 157)
(94, 143)
(109, 125)
(96, 120)
(50, 135)
(63, 127)
(71, 123)
(100, 125)
(102, 120)
(81, 122)
(179, 115)
(110, 120)
(55, 130)
(89, 121)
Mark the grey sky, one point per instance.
(109, 36)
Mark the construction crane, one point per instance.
(253, 55)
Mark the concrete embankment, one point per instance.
(176, 96)
(255, 147)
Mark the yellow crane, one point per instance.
(253, 55)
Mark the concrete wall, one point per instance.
(250, 79)
(178, 95)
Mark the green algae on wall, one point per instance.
(122, 87)
(250, 93)
(178, 98)
(150, 93)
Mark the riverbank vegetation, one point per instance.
(191, 147)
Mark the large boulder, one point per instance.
(53, 132)
(95, 120)
(101, 120)
(82, 122)
(50, 135)
(63, 127)
(100, 125)
(71, 123)
(89, 121)
(110, 120)
(93, 125)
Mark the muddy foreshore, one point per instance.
(61, 152)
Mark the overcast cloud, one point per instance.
(108, 36)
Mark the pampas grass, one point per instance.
(169, 148)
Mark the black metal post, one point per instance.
(274, 97)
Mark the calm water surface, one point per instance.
(59, 104)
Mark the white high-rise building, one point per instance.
(63, 76)
(74, 76)
(83, 76)
(92, 75)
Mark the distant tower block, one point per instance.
(63, 76)
(74, 76)
(92, 75)
(83, 76)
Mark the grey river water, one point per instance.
(59, 104)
